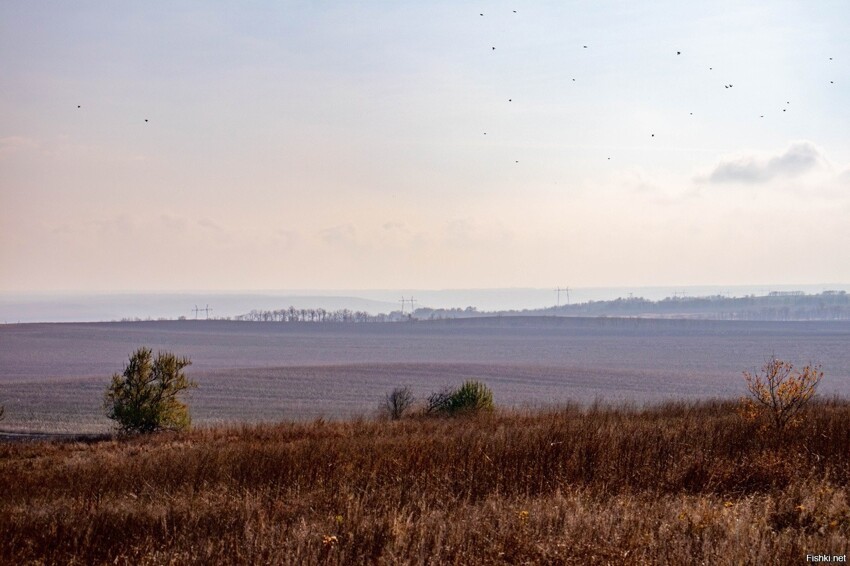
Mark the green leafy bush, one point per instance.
(472, 397)
(144, 398)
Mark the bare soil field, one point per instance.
(52, 376)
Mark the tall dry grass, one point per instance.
(673, 484)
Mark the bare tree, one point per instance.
(397, 402)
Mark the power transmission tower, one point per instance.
(196, 310)
(402, 301)
(558, 293)
(412, 302)
(207, 310)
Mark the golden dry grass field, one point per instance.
(675, 484)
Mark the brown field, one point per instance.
(675, 484)
(52, 376)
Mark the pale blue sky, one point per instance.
(341, 145)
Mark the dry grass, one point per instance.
(675, 484)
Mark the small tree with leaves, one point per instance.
(144, 399)
(779, 391)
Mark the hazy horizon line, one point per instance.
(406, 289)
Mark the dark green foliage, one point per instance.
(144, 398)
(397, 402)
(439, 402)
(472, 397)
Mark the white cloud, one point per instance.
(800, 158)
(342, 235)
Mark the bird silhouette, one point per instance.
(146, 119)
(510, 100)
(584, 46)
(678, 52)
(493, 48)
(78, 105)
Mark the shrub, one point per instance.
(144, 398)
(397, 402)
(779, 392)
(439, 402)
(471, 397)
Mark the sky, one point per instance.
(164, 146)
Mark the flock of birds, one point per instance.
(726, 86)
(493, 48)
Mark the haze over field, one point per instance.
(171, 146)
(52, 376)
(87, 307)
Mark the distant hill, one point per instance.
(828, 305)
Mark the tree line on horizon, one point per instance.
(775, 306)
(292, 314)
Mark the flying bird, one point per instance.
(584, 46)
(78, 105)
(493, 48)
(146, 119)
(678, 52)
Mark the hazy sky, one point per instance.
(342, 144)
